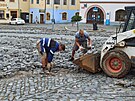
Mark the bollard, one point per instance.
(95, 26)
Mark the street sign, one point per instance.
(95, 9)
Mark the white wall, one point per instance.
(106, 8)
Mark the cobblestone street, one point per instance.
(67, 86)
(20, 68)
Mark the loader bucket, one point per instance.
(89, 62)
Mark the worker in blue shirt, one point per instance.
(46, 48)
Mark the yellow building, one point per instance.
(24, 6)
(8, 9)
(13, 9)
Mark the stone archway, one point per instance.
(95, 14)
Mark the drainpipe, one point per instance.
(18, 8)
(53, 18)
(45, 13)
(29, 12)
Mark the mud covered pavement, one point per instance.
(20, 68)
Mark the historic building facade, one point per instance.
(104, 11)
(59, 11)
(12, 9)
(39, 11)
(8, 9)
(24, 7)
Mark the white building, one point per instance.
(104, 11)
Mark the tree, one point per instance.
(76, 18)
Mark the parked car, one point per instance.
(16, 21)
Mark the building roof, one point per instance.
(107, 1)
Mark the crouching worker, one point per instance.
(81, 38)
(46, 48)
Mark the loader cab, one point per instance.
(130, 21)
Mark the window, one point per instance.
(131, 24)
(64, 2)
(72, 2)
(37, 1)
(64, 16)
(32, 1)
(48, 1)
(1, 14)
(12, 0)
(48, 16)
(7, 15)
(56, 1)
(120, 15)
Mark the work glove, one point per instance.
(89, 46)
(81, 48)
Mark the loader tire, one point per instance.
(116, 63)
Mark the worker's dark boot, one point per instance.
(45, 70)
(49, 69)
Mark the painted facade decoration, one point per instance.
(104, 11)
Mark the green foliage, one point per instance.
(76, 18)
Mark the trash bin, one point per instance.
(95, 26)
(53, 21)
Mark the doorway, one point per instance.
(95, 14)
(25, 17)
(41, 18)
(14, 14)
(31, 18)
